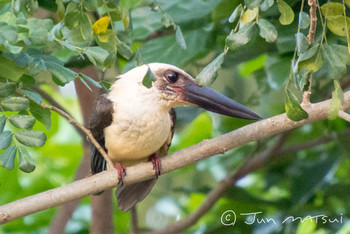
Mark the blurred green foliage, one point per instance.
(259, 52)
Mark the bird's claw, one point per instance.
(121, 173)
(157, 165)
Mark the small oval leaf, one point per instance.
(15, 104)
(336, 102)
(22, 121)
(208, 74)
(5, 139)
(7, 89)
(287, 13)
(26, 162)
(293, 108)
(7, 158)
(180, 38)
(267, 30)
(148, 79)
(235, 13)
(31, 137)
(33, 95)
(242, 37)
(42, 115)
(304, 20)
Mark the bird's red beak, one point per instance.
(211, 100)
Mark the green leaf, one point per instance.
(337, 101)
(311, 59)
(149, 78)
(12, 48)
(139, 60)
(105, 85)
(60, 74)
(336, 67)
(2, 123)
(249, 15)
(96, 55)
(304, 20)
(301, 79)
(5, 139)
(85, 27)
(302, 42)
(342, 52)
(267, 30)
(42, 115)
(235, 13)
(107, 40)
(9, 70)
(39, 30)
(209, 73)
(336, 24)
(293, 108)
(92, 81)
(287, 13)
(15, 104)
(9, 33)
(277, 70)
(180, 38)
(26, 162)
(266, 5)
(32, 95)
(332, 9)
(124, 50)
(242, 37)
(251, 3)
(31, 137)
(7, 158)
(7, 89)
(27, 80)
(60, 8)
(22, 121)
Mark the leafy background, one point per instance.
(261, 57)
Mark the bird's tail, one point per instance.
(129, 195)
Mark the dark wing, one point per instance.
(128, 196)
(101, 117)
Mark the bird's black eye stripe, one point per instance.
(172, 76)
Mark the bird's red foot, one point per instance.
(121, 173)
(157, 165)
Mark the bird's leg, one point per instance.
(157, 165)
(121, 172)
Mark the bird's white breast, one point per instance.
(141, 124)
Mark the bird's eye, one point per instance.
(172, 76)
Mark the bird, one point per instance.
(135, 123)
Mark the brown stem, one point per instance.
(313, 20)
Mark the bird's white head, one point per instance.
(176, 87)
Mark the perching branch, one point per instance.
(108, 179)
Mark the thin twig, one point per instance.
(344, 115)
(143, 171)
(85, 130)
(53, 102)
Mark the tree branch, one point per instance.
(108, 179)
